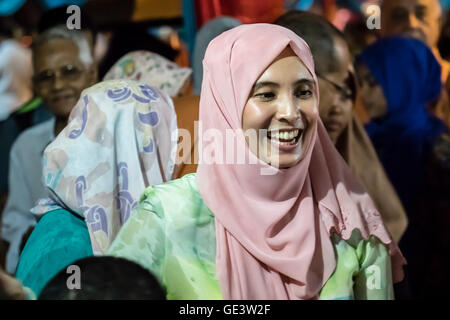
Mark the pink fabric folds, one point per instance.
(273, 231)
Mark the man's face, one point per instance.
(60, 76)
(420, 19)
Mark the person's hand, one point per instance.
(10, 288)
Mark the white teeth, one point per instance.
(282, 143)
(285, 135)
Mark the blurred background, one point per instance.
(171, 37)
(176, 22)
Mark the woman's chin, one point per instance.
(285, 161)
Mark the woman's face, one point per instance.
(336, 105)
(371, 93)
(283, 102)
(337, 92)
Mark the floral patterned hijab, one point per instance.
(152, 69)
(121, 137)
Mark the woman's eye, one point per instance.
(303, 94)
(265, 96)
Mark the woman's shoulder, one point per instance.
(179, 197)
(67, 227)
(64, 219)
(43, 253)
(182, 189)
(70, 230)
(187, 183)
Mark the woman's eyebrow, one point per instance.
(304, 81)
(261, 84)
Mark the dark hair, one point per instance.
(7, 24)
(130, 38)
(58, 16)
(318, 33)
(105, 278)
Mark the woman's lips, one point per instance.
(285, 139)
(333, 125)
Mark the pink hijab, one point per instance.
(273, 231)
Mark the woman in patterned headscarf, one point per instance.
(154, 70)
(157, 71)
(120, 138)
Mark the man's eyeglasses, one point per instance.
(347, 91)
(66, 73)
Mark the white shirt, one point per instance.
(25, 186)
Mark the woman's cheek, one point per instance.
(310, 109)
(256, 115)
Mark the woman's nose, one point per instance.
(336, 109)
(288, 110)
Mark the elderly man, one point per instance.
(63, 67)
(421, 19)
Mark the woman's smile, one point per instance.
(281, 103)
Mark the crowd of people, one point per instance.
(282, 165)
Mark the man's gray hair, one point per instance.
(77, 36)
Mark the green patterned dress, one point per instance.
(172, 234)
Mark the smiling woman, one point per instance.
(281, 102)
(307, 230)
